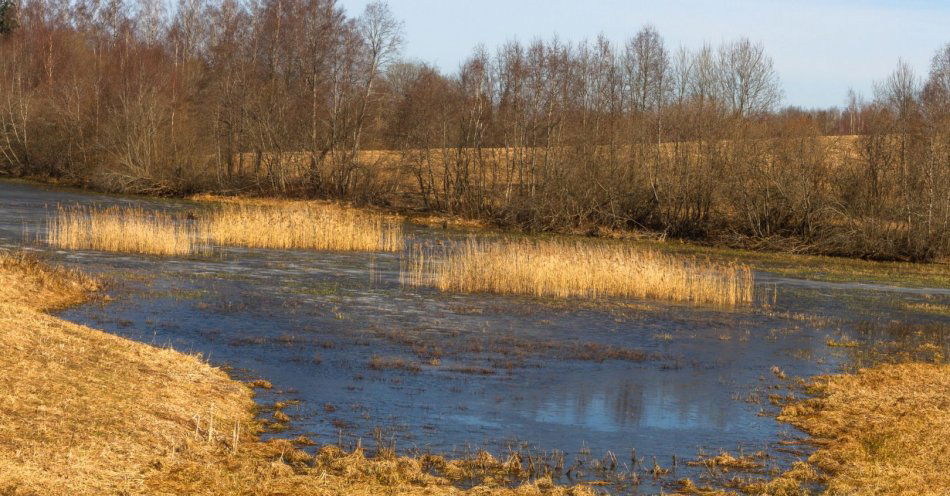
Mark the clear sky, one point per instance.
(820, 48)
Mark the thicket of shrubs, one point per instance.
(295, 97)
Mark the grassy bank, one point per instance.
(83, 412)
(882, 430)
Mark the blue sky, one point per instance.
(820, 48)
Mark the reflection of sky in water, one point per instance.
(269, 313)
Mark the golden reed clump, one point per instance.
(136, 230)
(585, 270)
(327, 227)
(120, 229)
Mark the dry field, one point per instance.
(391, 165)
(83, 412)
(580, 270)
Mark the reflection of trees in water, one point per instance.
(604, 401)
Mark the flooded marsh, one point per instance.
(637, 393)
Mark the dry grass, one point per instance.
(585, 270)
(290, 226)
(327, 227)
(27, 281)
(127, 230)
(932, 308)
(883, 430)
(83, 412)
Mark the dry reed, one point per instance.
(313, 228)
(136, 230)
(127, 230)
(594, 270)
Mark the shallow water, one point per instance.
(662, 379)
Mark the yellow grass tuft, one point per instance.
(327, 227)
(580, 270)
(126, 230)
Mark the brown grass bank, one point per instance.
(83, 412)
(882, 430)
(587, 270)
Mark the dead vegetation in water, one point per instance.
(495, 352)
(125, 230)
(325, 228)
(726, 462)
(377, 362)
(899, 342)
(928, 308)
(137, 230)
(563, 269)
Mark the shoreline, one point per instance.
(109, 415)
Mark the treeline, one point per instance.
(296, 97)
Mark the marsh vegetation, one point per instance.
(327, 227)
(483, 362)
(589, 270)
(341, 348)
(126, 230)
(154, 232)
(298, 98)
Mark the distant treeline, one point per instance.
(297, 98)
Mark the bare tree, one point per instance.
(748, 81)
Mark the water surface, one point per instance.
(483, 371)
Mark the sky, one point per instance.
(821, 49)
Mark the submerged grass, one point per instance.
(126, 230)
(585, 270)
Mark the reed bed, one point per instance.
(136, 230)
(120, 229)
(329, 228)
(579, 270)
